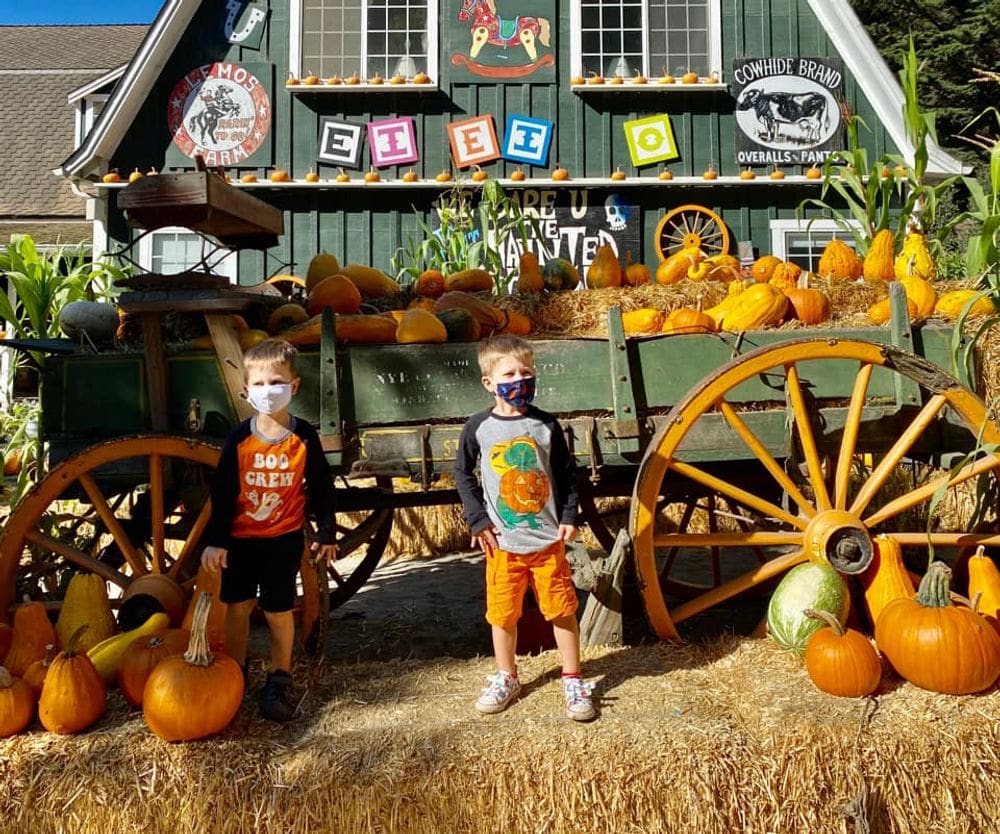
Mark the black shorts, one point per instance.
(268, 564)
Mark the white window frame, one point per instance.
(295, 45)
(714, 39)
(225, 267)
(86, 116)
(780, 229)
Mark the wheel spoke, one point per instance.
(192, 540)
(741, 496)
(681, 528)
(77, 557)
(156, 510)
(769, 539)
(713, 527)
(738, 585)
(765, 457)
(897, 452)
(808, 441)
(945, 539)
(849, 441)
(926, 491)
(112, 524)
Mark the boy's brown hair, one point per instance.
(271, 352)
(495, 348)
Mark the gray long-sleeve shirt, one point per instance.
(527, 479)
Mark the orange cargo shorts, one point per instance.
(509, 574)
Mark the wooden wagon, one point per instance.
(742, 454)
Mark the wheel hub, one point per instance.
(840, 539)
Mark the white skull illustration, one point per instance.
(617, 212)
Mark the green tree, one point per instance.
(953, 38)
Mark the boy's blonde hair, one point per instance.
(494, 349)
(271, 352)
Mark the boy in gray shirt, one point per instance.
(522, 509)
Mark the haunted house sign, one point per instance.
(787, 110)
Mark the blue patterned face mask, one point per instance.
(518, 393)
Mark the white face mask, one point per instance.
(267, 399)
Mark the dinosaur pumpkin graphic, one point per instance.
(524, 486)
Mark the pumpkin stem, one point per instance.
(933, 591)
(70, 650)
(827, 618)
(6, 678)
(198, 653)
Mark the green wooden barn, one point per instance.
(665, 116)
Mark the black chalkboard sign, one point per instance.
(573, 222)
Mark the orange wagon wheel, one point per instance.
(829, 494)
(139, 505)
(691, 226)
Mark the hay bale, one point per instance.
(722, 736)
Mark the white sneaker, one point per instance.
(579, 706)
(500, 694)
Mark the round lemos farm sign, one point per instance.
(787, 110)
(222, 112)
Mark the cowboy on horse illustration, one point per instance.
(488, 27)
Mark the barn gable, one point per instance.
(532, 85)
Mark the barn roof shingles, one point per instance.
(39, 67)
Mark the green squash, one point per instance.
(810, 585)
(560, 274)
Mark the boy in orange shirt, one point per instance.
(272, 473)
(522, 510)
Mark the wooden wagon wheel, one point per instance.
(828, 504)
(691, 226)
(139, 505)
(327, 588)
(120, 509)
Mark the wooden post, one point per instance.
(156, 371)
(230, 357)
(601, 623)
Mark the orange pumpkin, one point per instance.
(604, 271)
(36, 672)
(74, 694)
(429, 284)
(529, 274)
(517, 324)
(810, 306)
(6, 637)
(635, 274)
(17, 704)
(886, 578)
(785, 275)
(338, 292)
(984, 582)
(196, 694)
(689, 320)
(763, 268)
(32, 633)
(841, 661)
(210, 582)
(937, 645)
(839, 262)
(142, 656)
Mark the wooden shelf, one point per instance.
(408, 87)
(204, 202)
(651, 86)
(530, 182)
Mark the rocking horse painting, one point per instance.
(509, 34)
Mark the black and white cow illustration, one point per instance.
(806, 111)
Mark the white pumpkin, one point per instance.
(99, 321)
